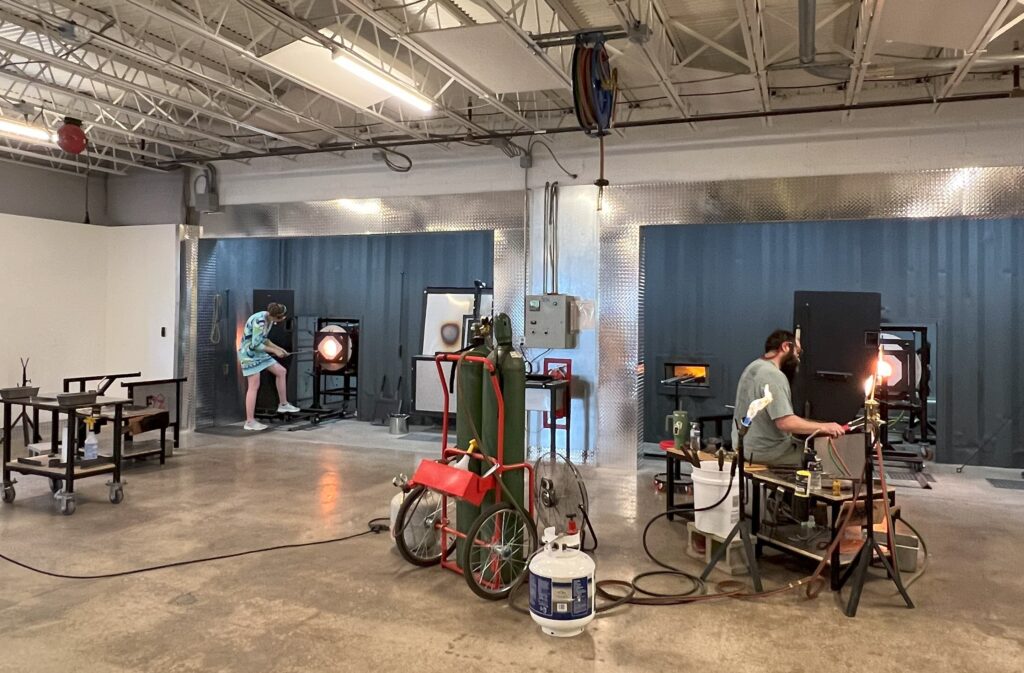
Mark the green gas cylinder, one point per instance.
(510, 369)
(469, 419)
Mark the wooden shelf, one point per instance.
(59, 472)
(800, 547)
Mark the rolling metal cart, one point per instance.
(62, 476)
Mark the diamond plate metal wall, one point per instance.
(964, 192)
(188, 237)
(617, 339)
(202, 385)
(509, 275)
(394, 215)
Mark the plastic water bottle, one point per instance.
(695, 437)
(814, 475)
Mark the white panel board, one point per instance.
(935, 23)
(445, 317)
(428, 395)
(493, 57)
(313, 64)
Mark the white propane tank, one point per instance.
(396, 502)
(562, 586)
(398, 482)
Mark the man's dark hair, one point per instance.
(776, 339)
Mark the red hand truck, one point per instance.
(499, 542)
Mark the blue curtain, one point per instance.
(718, 290)
(357, 277)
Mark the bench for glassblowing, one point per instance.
(155, 408)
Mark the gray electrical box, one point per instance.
(551, 321)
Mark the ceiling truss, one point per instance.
(161, 83)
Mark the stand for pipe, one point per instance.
(858, 569)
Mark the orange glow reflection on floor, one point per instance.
(328, 491)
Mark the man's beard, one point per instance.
(790, 366)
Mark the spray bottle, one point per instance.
(92, 442)
(463, 463)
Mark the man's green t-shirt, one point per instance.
(764, 443)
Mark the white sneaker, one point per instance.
(287, 409)
(254, 426)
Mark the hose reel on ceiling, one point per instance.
(595, 93)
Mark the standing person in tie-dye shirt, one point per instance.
(255, 354)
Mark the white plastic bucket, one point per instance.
(709, 485)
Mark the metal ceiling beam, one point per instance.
(140, 33)
(1007, 26)
(398, 32)
(33, 164)
(130, 134)
(657, 64)
(864, 48)
(752, 28)
(201, 29)
(721, 48)
(53, 119)
(646, 123)
(305, 29)
(517, 31)
(111, 108)
(183, 76)
(704, 47)
(5, 146)
(835, 14)
(995, 21)
(137, 89)
(666, 18)
(567, 14)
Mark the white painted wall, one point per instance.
(85, 299)
(142, 289)
(53, 306)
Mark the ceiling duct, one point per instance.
(808, 49)
(939, 66)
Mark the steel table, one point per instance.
(556, 388)
(67, 473)
(764, 479)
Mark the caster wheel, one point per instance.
(8, 493)
(55, 485)
(116, 495)
(67, 507)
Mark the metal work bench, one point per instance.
(764, 479)
(140, 391)
(62, 477)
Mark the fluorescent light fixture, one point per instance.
(379, 79)
(360, 206)
(26, 132)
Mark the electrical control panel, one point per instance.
(551, 321)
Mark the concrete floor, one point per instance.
(356, 606)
